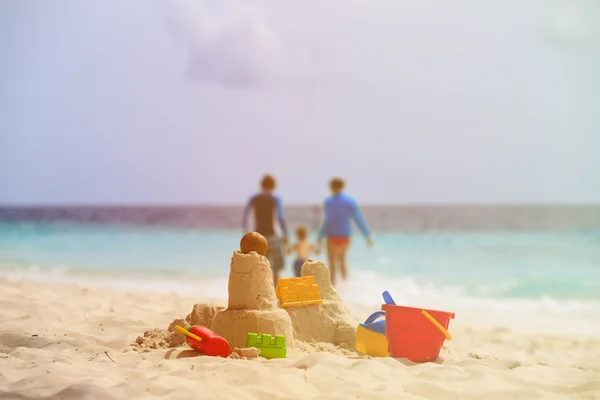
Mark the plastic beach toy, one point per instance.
(414, 333)
(295, 292)
(269, 346)
(387, 298)
(370, 335)
(203, 340)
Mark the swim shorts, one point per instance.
(275, 253)
(339, 240)
(298, 267)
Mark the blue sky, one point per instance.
(146, 102)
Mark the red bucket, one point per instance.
(411, 335)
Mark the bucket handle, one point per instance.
(437, 324)
(374, 316)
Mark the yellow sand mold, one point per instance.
(301, 291)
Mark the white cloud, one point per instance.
(571, 23)
(228, 42)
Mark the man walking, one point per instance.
(266, 207)
(340, 209)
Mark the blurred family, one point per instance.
(339, 209)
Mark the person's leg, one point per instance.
(277, 268)
(343, 267)
(275, 256)
(298, 268)
(332, 259)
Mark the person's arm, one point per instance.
(292, 248)
(246, 215)
(360, 222)
(279, 211)
(322, 232)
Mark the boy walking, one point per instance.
(340, 209)
(303, 249)
(266, 206)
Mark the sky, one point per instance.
(192, 101)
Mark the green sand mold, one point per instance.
(269, 346)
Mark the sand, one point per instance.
(73, 342)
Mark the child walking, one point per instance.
(303, 249)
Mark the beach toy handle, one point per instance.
(437, 324)
(188, 333)
(374, 316)
(387, 298)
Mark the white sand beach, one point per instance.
(64, 341)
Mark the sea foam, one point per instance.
(362, 292)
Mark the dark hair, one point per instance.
(301, 232)
(268, 182)
(336, 185)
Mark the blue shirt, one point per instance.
(265, 207)
(339, 210)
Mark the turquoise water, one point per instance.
(510, 272)
(529, 265)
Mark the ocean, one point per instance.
(535, 267)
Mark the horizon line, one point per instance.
(364, 204)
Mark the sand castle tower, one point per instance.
(330, 321)
(252, 304)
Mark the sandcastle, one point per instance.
(253, 307)
(330, 321)
(252, 304)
